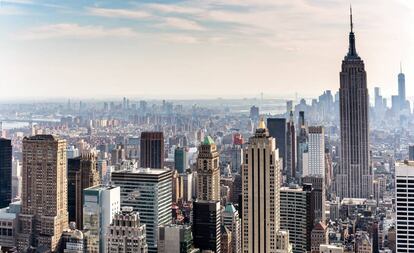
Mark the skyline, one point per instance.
(216, 45)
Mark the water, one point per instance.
(13, 125)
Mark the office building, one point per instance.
(152, 150)
(100, 205)
(401, 88)
(148, 191)
(231, 220)
(319, 236)
(16, 179)
(277, 130)
(254, 113)
(207, 225)
(318, 196)
(295, 217)
(290, 149)
(261, 193)
(9, 225)
(175, 238)
(5, 172)
(404, 181)
(354, 179)
(44, 193)
(126, 233)
(208, 171)
(302, 145)
(411, 152)
(82, 173)
(316, 151)
(226, 239)
(180, 159)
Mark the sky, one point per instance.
(198, 48)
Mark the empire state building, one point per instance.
(354, 179)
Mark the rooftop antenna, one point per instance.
(352, 23)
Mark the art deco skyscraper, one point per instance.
(208, 171)
(44, 214)
(354, 179)
(261, 193)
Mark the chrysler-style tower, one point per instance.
(355, 175)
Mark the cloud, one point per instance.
(9, 10)
(119, 13)
(64, 30)
(181, 39)
(177, 9)
(182, 24)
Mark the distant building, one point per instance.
(254, 113)
(208, 171)
(363, 243)
(318, 197)
(316, 151)
(72, 240)
(207, 225)
(327, 248)
(226, 240)
(44, 193)
(16, 179)
(175, 238)
(290, 149)
(232, 221)
(180, 159)
(5, 172)
(100, 205)
(82, 174)
(152, 150)
(411, 153)
(148, 191)
(319, 236)
(8, 225)
(126, 234)
(277, 130)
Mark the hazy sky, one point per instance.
(198, 48)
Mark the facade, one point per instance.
(126, 233)
(277, 130)
(316, 151)
(290, 149)
(100, 205)
(72, 240)
(318, 196)
(82, 173)
(8, 225)
(354, 179)
(152, 150)
(232, 221)
(327, 248)
(208, 171)
(319, 236)
(226, 240)
(207, 225)
(175, 238)
(302, 145)
(5, 172)
(44, 192)
(404, 181)
(16, 179)
(180, 159)
(148, 191)
(295, 217)
(261, 195)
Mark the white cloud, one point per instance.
(182, 24)
(55, 31)
(119, 13)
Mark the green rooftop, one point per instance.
(208, 140)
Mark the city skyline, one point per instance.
(107, 49)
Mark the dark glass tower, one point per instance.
(277, 130)
(152, 150)
(354, 179)
(5, 172)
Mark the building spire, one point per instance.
(400, 67)
(352, 49)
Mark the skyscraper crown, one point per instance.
(352, 53)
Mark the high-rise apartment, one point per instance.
(208, 171)
(261, 193)
(152, 150)
(354, 179)
(316, 151)
(5, 172)
(82, 173)
(44, 214)
(148, 191)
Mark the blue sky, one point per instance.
(197, 48)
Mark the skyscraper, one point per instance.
(149, 192)
(404, 174)
(401, 88)
(232, 221)
(152, 150)
(175, 238)
(316, 151)
(302, 144)
(354, 179)
(207, 225)
(44, 214)
(180, 159)
(82, 174)
(5, 172)
(208, 171)
(290, 149)
(261, 185)
(277, 130)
